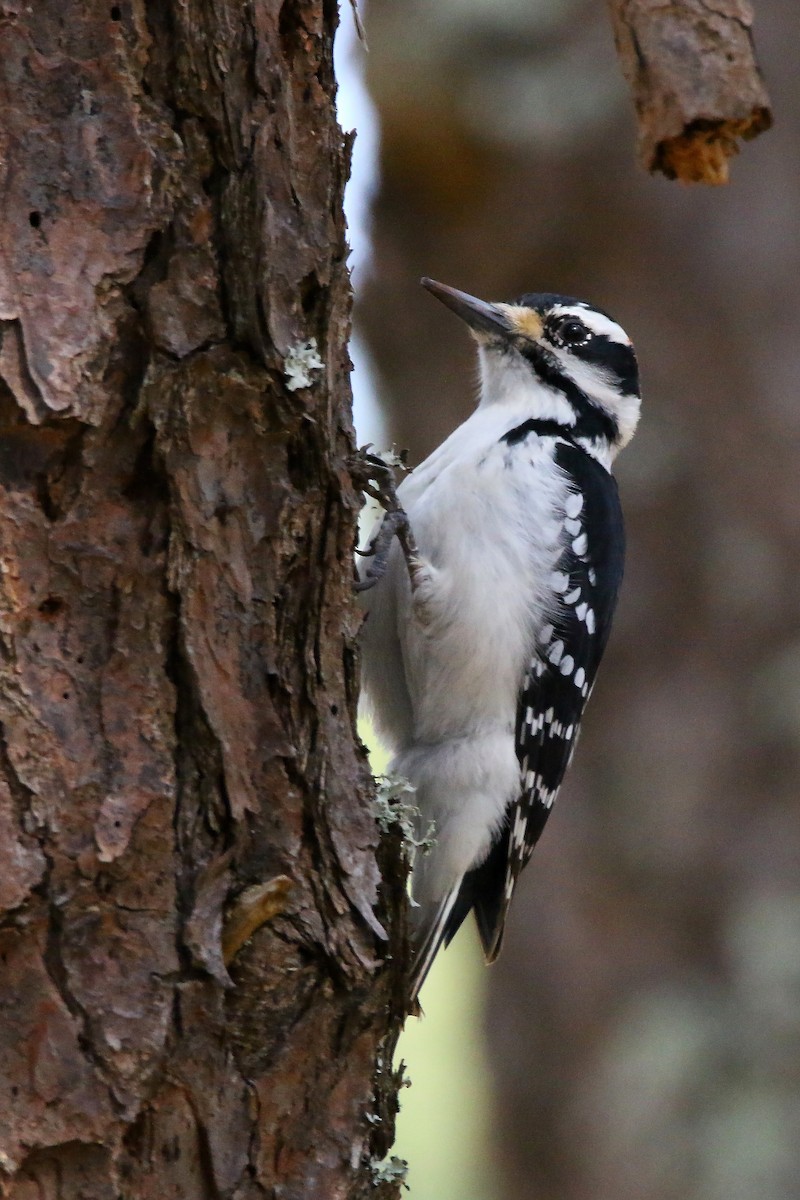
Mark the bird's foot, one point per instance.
(376, 478)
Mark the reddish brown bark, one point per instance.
(178, 672)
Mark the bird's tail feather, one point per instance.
(431, 924)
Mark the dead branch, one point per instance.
(696, 85)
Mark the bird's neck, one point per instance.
(517, 396)
(508, 382)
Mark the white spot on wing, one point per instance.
(574, 504)
(518, 832)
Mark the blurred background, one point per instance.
(640, 1035)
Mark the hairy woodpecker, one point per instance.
(480, 649)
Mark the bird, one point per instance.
(485, 628)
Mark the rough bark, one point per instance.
(179, 766)
(696, 86)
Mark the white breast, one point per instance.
(486, 517)
(486, 522)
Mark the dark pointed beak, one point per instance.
(480, 316)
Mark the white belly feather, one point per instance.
(443, 668)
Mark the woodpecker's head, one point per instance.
(570, 360)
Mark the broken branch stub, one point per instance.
(696, 85)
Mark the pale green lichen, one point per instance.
(300, 362)
(394, 457)
(392, 808)
(390, 1170)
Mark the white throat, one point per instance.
(506, 379)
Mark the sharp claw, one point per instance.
(395, 522)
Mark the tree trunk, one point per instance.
(194, 999)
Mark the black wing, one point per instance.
(556, 686)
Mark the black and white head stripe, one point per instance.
(597, 323)
(578, 333)
(591, 420)
(595, 340)
(556, 686)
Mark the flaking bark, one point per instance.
(696, 85)
(178, 664)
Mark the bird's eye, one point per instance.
(571, 331)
